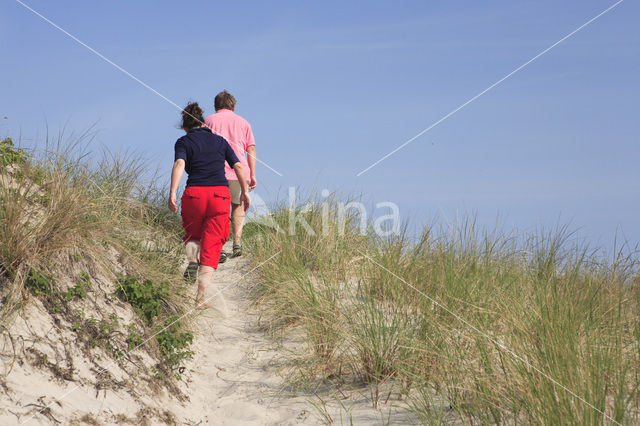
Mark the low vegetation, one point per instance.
(148, 300)
(465, 326)
(66, 219)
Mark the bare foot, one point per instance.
(221, 308)
(201, 304)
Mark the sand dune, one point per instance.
(238, 375)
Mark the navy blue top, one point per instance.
(204, 155)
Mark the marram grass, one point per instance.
(496, 329)
(62, 209)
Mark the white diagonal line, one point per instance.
(100, 55)
(489, 88)
(266, 165)
(154, 335)
(494, 341)
(254, 157)
(118, 67)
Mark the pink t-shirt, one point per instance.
(237, 131)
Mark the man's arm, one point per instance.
(176, 175)
(251, 158)
(242, 179)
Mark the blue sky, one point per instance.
(330, 87)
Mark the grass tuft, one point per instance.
(445, 334)
(63, 209)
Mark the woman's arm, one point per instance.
(242, 179)
(176, 175)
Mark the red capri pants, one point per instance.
(205, 218)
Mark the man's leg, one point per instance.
(237, 219)
(237, 216)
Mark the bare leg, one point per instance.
(237, 218)
(204, 277)
(193, 251)
(217, 299)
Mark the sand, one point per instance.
(238, 375)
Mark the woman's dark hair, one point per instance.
(192, 116)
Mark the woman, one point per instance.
(206, 199)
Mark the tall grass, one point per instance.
(63, 203)
(469, 326)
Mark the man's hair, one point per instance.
(224, 100)
(192, 116)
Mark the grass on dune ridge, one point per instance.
(64, 209)
(570, 318)
(565, 311)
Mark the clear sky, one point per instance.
(330, 87)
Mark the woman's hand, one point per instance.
(173, 202)
(244, 199)
(176, 175)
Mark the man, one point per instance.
(237, 131)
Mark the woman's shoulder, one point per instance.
(182, 139)
(218, 139)
(190, 138)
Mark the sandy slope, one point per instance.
(240, 373)
(237, 376)
(235, 372)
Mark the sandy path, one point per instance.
(240, 375)
(235, 370)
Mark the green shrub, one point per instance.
(80, 289)
(11, 155)
(96, 333)
(146, 298)
(38, 282)
(173, 341)
(134, 341)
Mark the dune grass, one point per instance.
(467, 326)
(62, 206)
